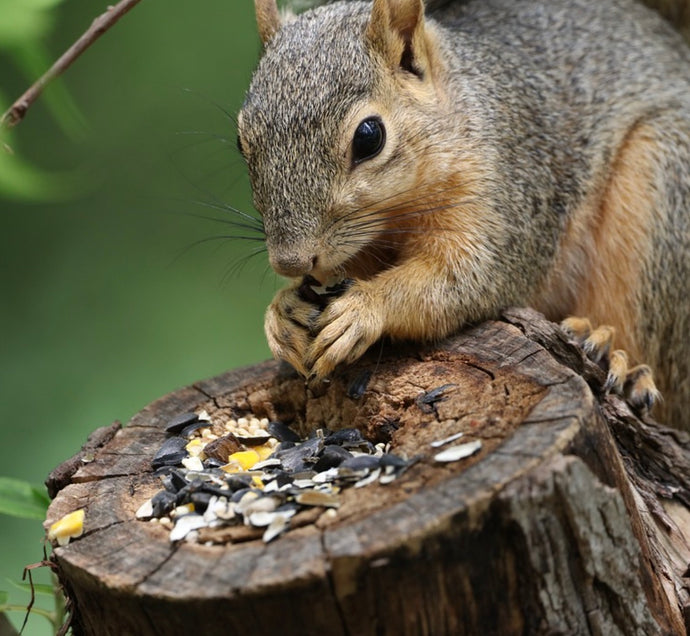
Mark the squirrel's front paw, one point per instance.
(347, 327)
(289, 324)
(636, 384)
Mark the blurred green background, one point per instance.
(108, 299)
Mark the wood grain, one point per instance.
(571, 519)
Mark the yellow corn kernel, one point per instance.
(196, 448)
(69, 527)
(242, 460)
(264, 451)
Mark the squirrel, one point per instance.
(479, 154)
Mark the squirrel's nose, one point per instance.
(292, 264)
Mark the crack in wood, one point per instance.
(482, 369)
(537, 519)
(341, 614)
(173, 550)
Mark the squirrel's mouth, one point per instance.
(369, 261)
(328, 266)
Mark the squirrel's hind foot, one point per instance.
(635, 384)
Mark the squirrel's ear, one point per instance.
(396, 31)
(267, 19)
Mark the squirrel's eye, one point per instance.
(369, 139)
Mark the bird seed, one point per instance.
(249, 472)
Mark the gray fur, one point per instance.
(544, 90)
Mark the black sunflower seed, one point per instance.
(339, 288)
(238, 494)
(190, 428)
(171, 452)
(200, 500)
(301, 457)
(330, 457)
(174, 481)
(362, 462)
(162, 503)
(389, 459)
(282, 478)
(427, 401)
(345, 436)
(308, 295)
(212, 489)
(359, 385)
(238, 482)
(177, 423)
(282, 432)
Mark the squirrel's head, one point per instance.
(342, 101)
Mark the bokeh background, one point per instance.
(111, 296)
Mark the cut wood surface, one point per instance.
(574, 517)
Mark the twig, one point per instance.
(98, 27)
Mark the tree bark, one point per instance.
(574, 518)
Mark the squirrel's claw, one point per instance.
(636, 385)
(346, 329)
(289, 325)
(640, 389)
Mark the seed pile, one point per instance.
(256, 473)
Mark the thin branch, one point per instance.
(98, 27)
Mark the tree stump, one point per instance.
(574, 517)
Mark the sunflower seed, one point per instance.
(316, 498)
(184, 525)
(331, 456)
(162, 503)
(282, 432)
(370, 478)
(454, 453)
(278, 525)
(345, 436)
(193, 463)
(177, 423)
(171, 452)
(359, 385)
(145, 511)
(361, 463)
(446, 440)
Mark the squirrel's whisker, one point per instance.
(238, 264)
(254, 222)
(496, 179)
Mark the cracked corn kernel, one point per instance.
(69, 527)
(196, 448)
(242, 460)
(264, 451)
(193, 463)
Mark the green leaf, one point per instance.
(20, 499)
(39, 588)
(34, 59)
(25, 20)
(22, 181)
(3, 597)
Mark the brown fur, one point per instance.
(597, 273)
(519, 167)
